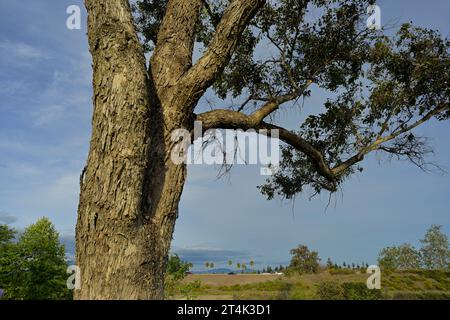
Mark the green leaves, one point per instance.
(34, 267)
(6, 235)
(435, 249)
(176, 272)
(385, 87)
(433, 255)
(304, 261)
(379, 87)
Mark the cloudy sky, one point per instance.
(45, 113)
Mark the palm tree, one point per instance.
(207, 265)
(230, 263)
(238, 265)
(252, 263)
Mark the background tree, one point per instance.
(6, 235)
(435, 249)
(9, 261)
(380, 89)
(303, 260)
(176, 267)
(330, 264)
(434, 253)
(34, 268)
(176, 272)
(404, 257)
(230, 263)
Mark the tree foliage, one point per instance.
(303, 260)
(176, 272)
(404, 257)
(380, 87)
(33, 268)
(435, 249)
(177, 267)
(433, 255)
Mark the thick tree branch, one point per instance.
(274, 103)
(228, 119)
(173, 53)
(208, 67)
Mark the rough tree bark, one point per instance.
(130, 189)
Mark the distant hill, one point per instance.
(215, 271)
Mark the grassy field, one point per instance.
(395, 285)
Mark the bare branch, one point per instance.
(378, 143)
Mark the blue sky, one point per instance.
(45, 114)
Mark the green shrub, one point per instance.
(330, 290)
(341, 271)
(424, 295)
(359, 291)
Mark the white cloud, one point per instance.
(20, 49)
(48, 114)
(7, 218)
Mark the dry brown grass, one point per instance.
(217, 280)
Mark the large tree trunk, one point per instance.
(130, 189)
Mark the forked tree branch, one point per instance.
(176, 36)
(210, 65)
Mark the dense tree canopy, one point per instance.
(433, 255)
(303, 260)
(435, 249)
(34, 267)
(380, 87)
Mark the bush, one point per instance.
(33, 268)
(425, 295)
(359, 291)
(330, 290)
(176, 272)
(341, 271)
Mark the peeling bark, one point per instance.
(130, 189)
